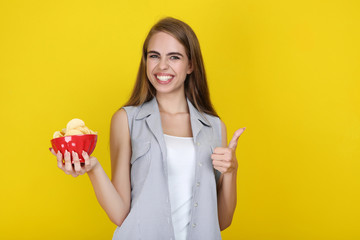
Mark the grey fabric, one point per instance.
(150, 214)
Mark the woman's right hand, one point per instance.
(75, 169)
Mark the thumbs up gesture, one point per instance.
(224, 158)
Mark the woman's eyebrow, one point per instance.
(170, 53)
(174, 53)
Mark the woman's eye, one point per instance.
(174, 57)
(153, 56)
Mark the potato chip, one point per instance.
(57, 134)
(74, 127)
(73, 132)
(74, 123)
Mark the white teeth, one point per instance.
(163, 78)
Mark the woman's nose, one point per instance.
(163, 64)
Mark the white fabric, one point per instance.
(181, 176)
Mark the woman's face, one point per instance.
(167, 63)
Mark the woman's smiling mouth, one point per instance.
(164, 78)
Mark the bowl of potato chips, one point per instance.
(75, 137)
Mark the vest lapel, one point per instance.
(197, 120)
(150, 110)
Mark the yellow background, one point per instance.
(286, 70)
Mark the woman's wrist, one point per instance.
(230, 176)
(94, 170)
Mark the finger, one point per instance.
(77, 166)
(82, 170)
(222, 150)
(221, 169)
(234, 141)
(221, 157)
(59, 158)
(87, 160)
(68, 167)
(223, 164)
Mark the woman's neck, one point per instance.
(172, 103)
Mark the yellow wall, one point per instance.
(286, 70)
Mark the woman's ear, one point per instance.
(190, 68)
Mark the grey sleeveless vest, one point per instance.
(150, 213)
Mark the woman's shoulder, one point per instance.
(127, 110)
(125, 115)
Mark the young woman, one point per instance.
(173, 174)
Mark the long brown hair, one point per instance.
(196, 88)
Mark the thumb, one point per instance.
(234, 141)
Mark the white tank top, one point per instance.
(181, 176)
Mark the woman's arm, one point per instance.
(224, 160)
(227, 195)
(114, 196)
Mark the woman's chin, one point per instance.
(167, 91)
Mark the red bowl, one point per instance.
(76, 143)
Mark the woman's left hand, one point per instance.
(224, 158)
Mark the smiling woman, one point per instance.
(173, 174)
(186, 187)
